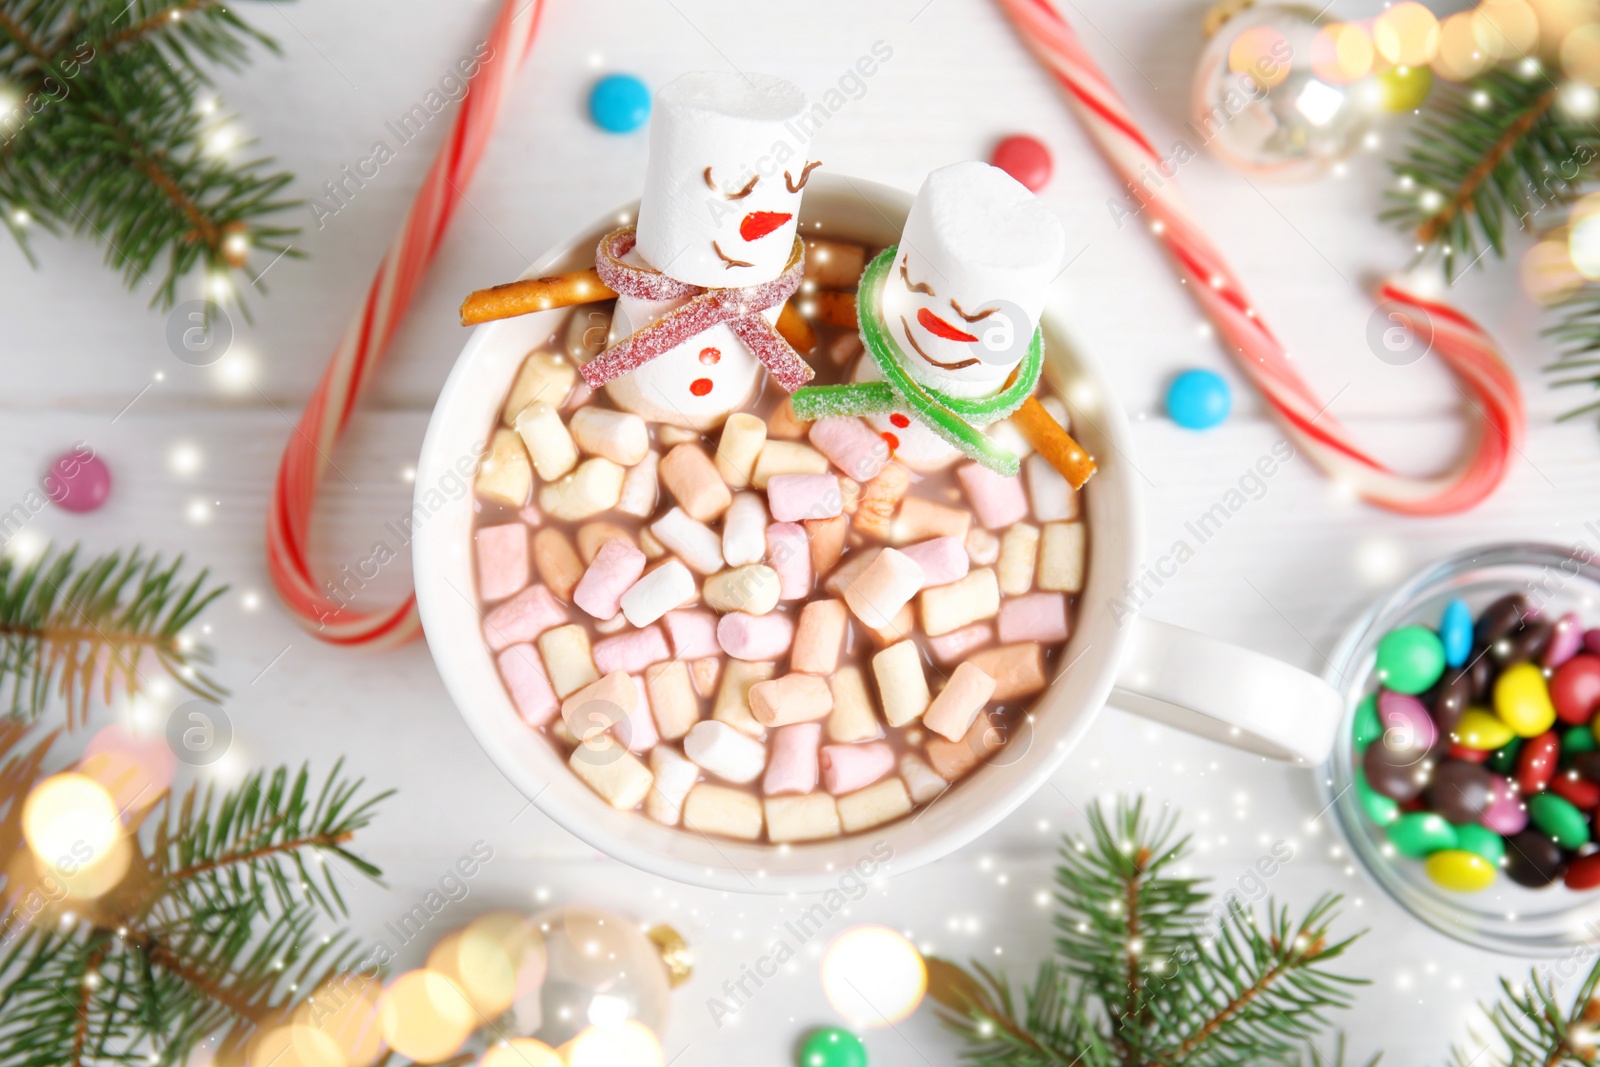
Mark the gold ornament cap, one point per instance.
(675, 954)
(1221, 12)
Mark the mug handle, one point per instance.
(1227, 693)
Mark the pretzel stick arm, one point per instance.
(534, 294)
(1052, 442)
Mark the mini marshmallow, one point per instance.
(943, 560)
(806, 818)
(632, 651)
(556, 562)
(921, 781)
(950, 607)
(639, 733)
(873, 806)
(885, 586)
(899, 628)
(784, 425)
(545, 436)
(607, 767)
(505, 476)
(694, 483)
(694, 542)
(785, 457)
(827, 541)
(790, 556)
(674, 777)
(600, 705)
(793, 766)
(902, 685)
(755, 637)
(845, 574)
(592, 537)
(567, 660)
(732, 705)
(997, 500)
(1061, 547)
(522, 618)
(1017, 670)
(791, 698)
(1052, 495)
(852, 717)
(849, 495)
(704, 674)
(920, 519)
(834, 264)
(952, 712)
(851, 445)
(670, 435)
(818, 637)
(1038, 617)
(616, 624)
(743, 435)
(658, 592)
(846, 768)
(693, 633)
(619, 436)
(639, 487)
(954, 759)
(544, 376)
(751, 589)
(719, 809)
(502, 552)
(1019, 551)
(983, 547)
(954, 646)
(880, 498)
(672, 698)
(652, 548)
(744, 530)
(615, 570)
(525, 680)
(793, 497)
(719, 749)
(594, 487)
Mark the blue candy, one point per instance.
(619, 103)
(1199, 399)
(1455, 630)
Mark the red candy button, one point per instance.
(1536, 764)
(1025, 159)
(1579, 792)
(1584, 872)
(1471, 755)
(1575, 689)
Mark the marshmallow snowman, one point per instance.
(721, 204)
(976, 259)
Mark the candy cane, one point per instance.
(306, 457)
(1467, 350)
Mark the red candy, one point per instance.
(1471, 755)
(1584, 872)
(1575, 688)
(1579, 792)
(1025, 159)
(1536, 764)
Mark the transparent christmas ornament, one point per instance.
(1277, 95)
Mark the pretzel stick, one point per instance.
(534, 294)
(835, 309)
(795, 329)
(1045, 434)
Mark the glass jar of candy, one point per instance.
(1466, 776)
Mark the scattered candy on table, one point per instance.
(1025, 159)
(78, 480)
(1199, 399)
(619, 103)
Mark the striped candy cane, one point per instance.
(1486, 383)
(306, 457)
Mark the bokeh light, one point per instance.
(1342, 53)
(297, 1045)
(70, 815)
(1460, 56)
(1257, 53)
(1558, 18)
(345, 1008)
(486, 960)
(873, 976)
(1406, 34)
(632, 1044)
(425, 1016)
(1583, 236)
(1547, 272)
(1505, 29)
(135, 770)
(1580, 54)
(1404, 88)
(521, 1052)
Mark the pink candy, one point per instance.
(631, 651)
(950, 647)
(852, 446)
(792, 767)
(1506, 814)
(693, 633)
(997, 501)
(1407, 719)
(528, 685)
(502, 560)
(615, 568)
(792, 497)
(1038, 617)
(846, 768)
(756, 638)
(789, 553)
(1565, 640)
(523, 617)
(943, 560)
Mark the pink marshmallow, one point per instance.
(943, 560)
(789, 553)
(953, 646)
(792, 767)
(615, 568)
(998, 501)
(852, 446)
(693, 633)
(792, 497)
(632, 651)
(529, 686)
(638, 730)
(846, 768)
(1038, 617)
(523, 618)
(757, 638)
(503, 560)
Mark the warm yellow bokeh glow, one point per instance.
(425, 1016)
(297, 1045)
(1460, 56)
(1580, 54)
(521, 1052)
(1547, 272)
(1256, 52)
(1557, 18)
(1342, 53)
(1406, 34)
(873, 976)
(630, 1045)
(1505, 29)
(72, 818)
(345, 1008)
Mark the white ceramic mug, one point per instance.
(1176, 676)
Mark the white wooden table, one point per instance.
(86, 360)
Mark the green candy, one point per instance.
(833, 1047)
(1379, 808)
(1410, 659)
(1482, 840)
(1421, 833)
(1578, 739)
(1504, 759)
(1366, 728)
(1560, 819)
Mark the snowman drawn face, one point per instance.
(937, 330)
(755, 223)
